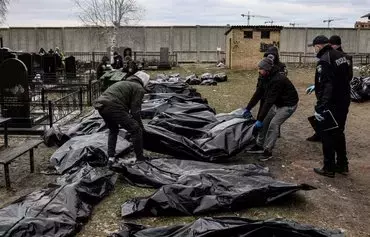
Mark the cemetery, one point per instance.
(118, 130)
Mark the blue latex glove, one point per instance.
(310, 89)
(258, 124)
(247, 113)
(319, 117)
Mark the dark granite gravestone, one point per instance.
(14, 93)
(58, 61)
(70, 63)
(37, 64)
(127, 52)
(164, 59)
(5, 54)
(26, 58)
(49, 66)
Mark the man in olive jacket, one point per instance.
(120, 105)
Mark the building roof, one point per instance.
(367, 15)
(256, 27)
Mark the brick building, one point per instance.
(245, 45)
(363, 22)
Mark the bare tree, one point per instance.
(3, 9)
(109, 14)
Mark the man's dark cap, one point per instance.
(321, 39)
(335, 40)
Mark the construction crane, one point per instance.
(293, 24)
(329, 20)
(249, 16)
(269, 22)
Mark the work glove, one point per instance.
(247, 114)
(310, 89)
(319, 117)
(257, 127)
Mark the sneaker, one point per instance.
(314, 138)
(323, 172)
(256, 149)
(342, 170)
(267, 155)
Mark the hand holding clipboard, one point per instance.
(328, 123)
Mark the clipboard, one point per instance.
(329, 123)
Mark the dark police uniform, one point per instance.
(333, 93)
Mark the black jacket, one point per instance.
(260, 89)
(277, 90)
(127, 94)
(350, 63)
(332, 80)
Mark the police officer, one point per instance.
(336, 43)
(120, 105)
(333, 94)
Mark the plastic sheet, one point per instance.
(170, 87)
(204, 190)
(360, 89)
(189, 125)
(229, 226)
(220, 77)
(151, 108)
(90, 124)
(218, 142)
(193, 80)
(177, 97)
(209, 82)
(91, 149)
(158, 172)
(60, 209)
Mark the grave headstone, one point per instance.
(49, 66)
(14, 93)
(5, 54)
(26, 58)
(37, 63)
(127, 52)
(164, 59)
(70, 67)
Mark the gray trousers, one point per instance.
(271, 125)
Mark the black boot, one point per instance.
(314, 138)
(324, 172)
(342, 169)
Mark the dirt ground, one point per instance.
(339, 203)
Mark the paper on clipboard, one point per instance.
(329, 123)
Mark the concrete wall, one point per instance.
(191, 43)
(296, 39)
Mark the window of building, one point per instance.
(265, 34)
(248, 34)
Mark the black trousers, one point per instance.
(334, 142)
(114, 116)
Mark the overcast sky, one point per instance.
(307, 13)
